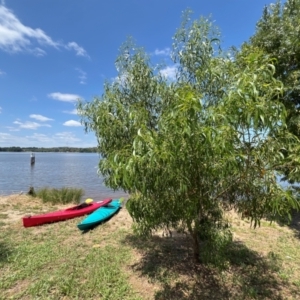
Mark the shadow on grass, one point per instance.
(168, 263)
(5, 252)
(295, 223)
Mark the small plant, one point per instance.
(60, 196)
(3, 216)
(31, 191)
(216, 238)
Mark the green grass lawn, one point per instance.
(58, 261)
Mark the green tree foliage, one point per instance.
(277, 34)
(187, 149)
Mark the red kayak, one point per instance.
(60, 215)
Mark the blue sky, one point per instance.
(53, 52)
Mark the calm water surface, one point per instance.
(53, 170)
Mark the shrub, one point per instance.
(60, 196)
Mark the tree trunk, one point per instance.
(196, 247)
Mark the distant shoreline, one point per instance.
(50, 149)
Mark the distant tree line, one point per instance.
(42, 149)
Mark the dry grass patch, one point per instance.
(262, 264)
(147, 289)
(110, 262)
(169, 267)
(3, 216)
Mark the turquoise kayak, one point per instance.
(100, 215)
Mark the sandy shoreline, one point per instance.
(15, 206)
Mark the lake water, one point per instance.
(54, 170)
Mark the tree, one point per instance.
(277, 34)
(187, 149)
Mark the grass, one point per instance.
(3, 216)
(60, 196)
(48, 269)
(57, 261)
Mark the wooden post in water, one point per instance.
(32, 158)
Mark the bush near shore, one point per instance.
(58, 196)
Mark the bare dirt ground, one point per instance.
(14, 207)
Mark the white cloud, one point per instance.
(72, 112)
(163, 52)
(46, 140)
(54, 140)
(72, 123)
(169, 72)
(30, 125)
(12, 128)
(64, 97)
(0, 109)
(38, 52)
(79, 50)
(40, 118)
(16, 37)
(4, 137)
(82, 76)
(2, 73)
(43, 138)
(67, 137)
(23, 141)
